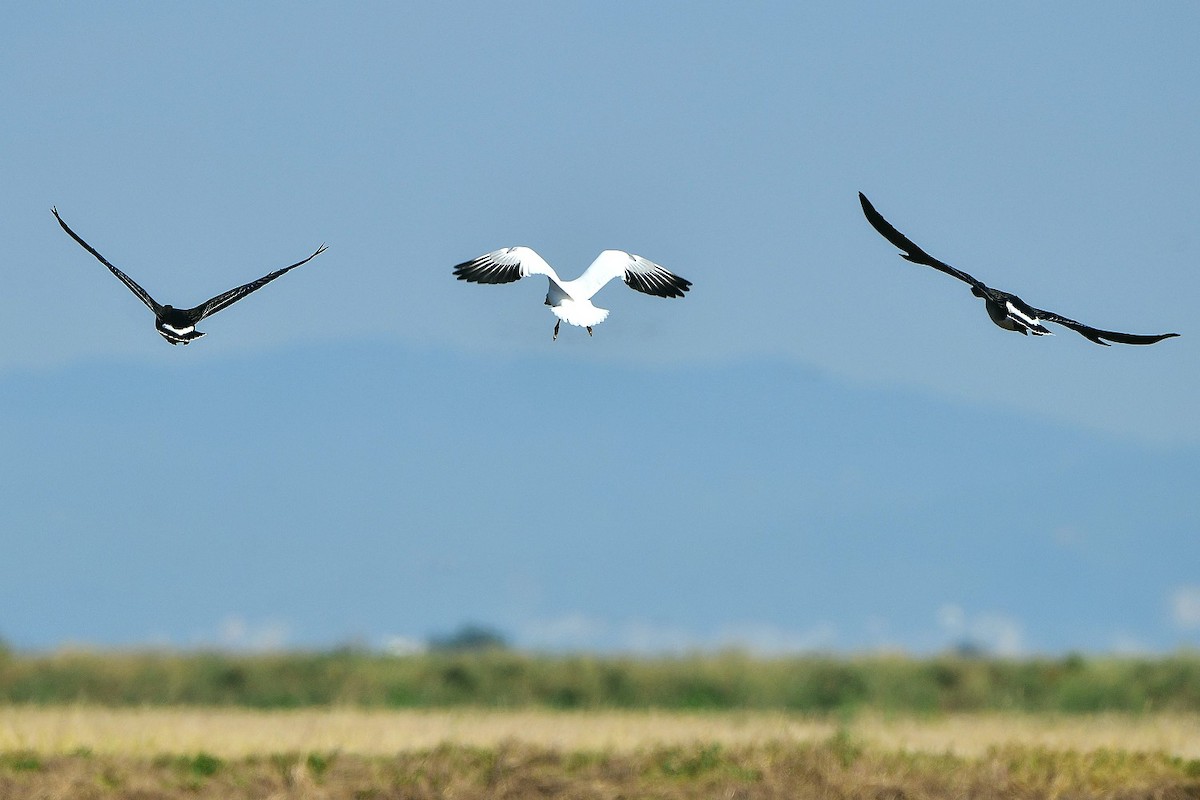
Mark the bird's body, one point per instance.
(571, 301)
(178, 325)
(1005, 309)
(1012, 313)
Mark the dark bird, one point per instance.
(178, 325)
(1006, 310)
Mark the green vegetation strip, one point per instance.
(508, 679)
(838, 767)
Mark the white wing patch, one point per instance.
(637, 273)
(1016, 312)
(179, 331)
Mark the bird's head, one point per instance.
(975, 291)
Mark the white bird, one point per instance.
(571, 301)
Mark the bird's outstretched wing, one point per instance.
(226, 299)
(1026, 314)
(142, 294)
(911, 251)
(505, 266)
(1098, 336)
(637, 272)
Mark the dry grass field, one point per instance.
(93, 752)
(238, 733)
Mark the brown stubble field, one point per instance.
(86, 752)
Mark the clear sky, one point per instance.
(821, 447)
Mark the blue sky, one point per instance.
(820, 447)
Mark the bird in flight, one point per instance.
(178, 325)
(1006, 310)
(571, 301)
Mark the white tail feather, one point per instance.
(579, 312)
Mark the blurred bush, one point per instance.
(494, 676)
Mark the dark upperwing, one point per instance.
(142, 294)
(909, 249)
(1098, 336)
(226, 299)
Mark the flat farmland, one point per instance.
(503, 724)
(236, 733)
(90, 751)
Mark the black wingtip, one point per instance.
(487, 271)
(1162, 336)
(881, 226)
(464, 271)
(1131, 338)
(666, 284)
(1107, 338)
(63, 223)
